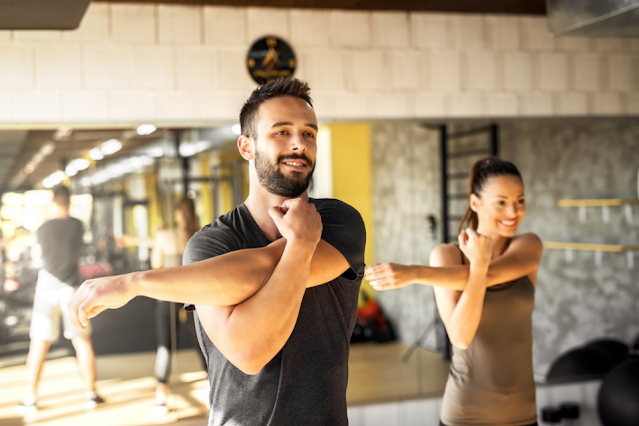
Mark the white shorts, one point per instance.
(51, 299)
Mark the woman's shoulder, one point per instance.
(446, 255)
(530, 240)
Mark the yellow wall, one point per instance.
(352, 178)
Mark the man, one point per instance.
(60, 240)
(274, 315)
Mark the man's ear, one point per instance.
(475, 202)
(245, 146)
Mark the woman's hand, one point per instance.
(476, 247)
(387, 276)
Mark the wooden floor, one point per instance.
(127, 384)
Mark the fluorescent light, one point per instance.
(81, 164)
(70, 170)
(111, 147)
(96, 154)
(146, 129)
(156, 151)
(236, 129)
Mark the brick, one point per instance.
(586, 72)
(264, 22)
(94, 25)
(17, 66)
(430, 30)
(58, 66)
(611, 44)
(179, 24)
(428, 104)
(393, 105)
(223, 105)
(196, 67)
(536, 104)
(466, 105)
(6, 107)
(468, 31)
(322, 104)
(606, 104)
(366, 70)
(633, 104)
(130, 106)
(352, 105)
(502, 105)
(535, 34)
(108, 66)
(225, 26)
(553, 71)
(46, 36)
(480, 71)
(133, 23)
(517, 71)
(37, 106)
(403, 69)
(574, 43)
(310, 27)
(153, 67)
(390, 29)
(350, 29)
(444, 71)
(503, 32)
(620, 72)
(326, 69)
(179, 106)
(85, 106)
(232, 70)
(572, 104)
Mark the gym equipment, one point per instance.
(618, 399)
(592, 361)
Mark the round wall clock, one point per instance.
(270, 58)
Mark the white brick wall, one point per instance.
(128, 63)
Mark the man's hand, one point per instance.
(477, 248)
(298, 221)
(388, 276)
(94, 296)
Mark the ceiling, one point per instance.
(75, 145)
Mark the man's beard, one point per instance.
(274, 181)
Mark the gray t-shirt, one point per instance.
(305, 384)
(61, 241)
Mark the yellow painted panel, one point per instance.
(352, 178)
(597, 202)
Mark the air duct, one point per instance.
(595, 18)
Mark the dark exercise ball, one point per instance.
(618, 401)
(581, 364)
(615, 348)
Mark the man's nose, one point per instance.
(298, 143)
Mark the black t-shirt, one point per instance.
(61, 241)
(305, 383)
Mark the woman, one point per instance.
(484, 288)
(168, 247)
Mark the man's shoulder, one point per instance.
(338, 208)
(222, 235)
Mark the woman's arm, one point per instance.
(521, 258)
(461, 310)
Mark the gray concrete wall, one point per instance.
(575, 301)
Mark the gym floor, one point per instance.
(377, 374)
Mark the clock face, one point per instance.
(270, 58)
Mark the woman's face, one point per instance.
(501, 206)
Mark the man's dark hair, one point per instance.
(283, 86)
(61, 196)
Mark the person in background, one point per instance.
(485, 293)
(167, 250)
(60, 241)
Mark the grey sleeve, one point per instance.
(344, 229)
(208, 242)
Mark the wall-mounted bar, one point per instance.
(597, 202)
(589, 247)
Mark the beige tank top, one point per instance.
(491, 382)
